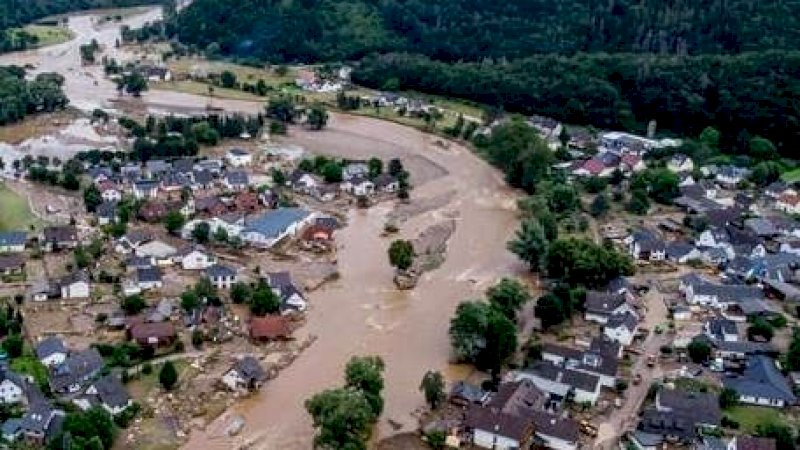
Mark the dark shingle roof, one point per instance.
(77, 368)
(499, 423)
(12, 238)
(148, 274)
(627, 320)
(50, 346)
(761, 379)
(603, 302)
(218, 270)
(249, 369)
(111, 392)
(580, 380)
(702, 408)
(552, 425)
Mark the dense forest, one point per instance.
(609, 63)
(15, 13)
(20, 97)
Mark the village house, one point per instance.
(212, 206)
(778, 188)
(153, 212)
(195, 257)
(211, 165)
(317, 237)
(680, 163)
(148, 278)
(107, 392)
(274, 226)
(161, 253)
(762, 384)
(386, 183)
(60, 238)
(236, 181)
(678, 416)
(75, 285)
(76, 371)
(233, 227)
(13, 241)
(600, 360)
(12, 386)
(498, 430)
(145, 189)
(359, 186)
(245, 374)
(731, 175)
(721, 329)
(221, 277)
(109, 192)
(51, 351)
(788, 203)
(646, 245)
(131, 241)
(561, 382)
(155, 168)
(622, 328)
(600, 306)
(246, 202)
(303, 182)
(269, 328)
(152, 334)
(237, 157)
(106, 213)
(11, 265)
(355, 170)
(40, 423)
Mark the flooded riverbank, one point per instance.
(361, 313)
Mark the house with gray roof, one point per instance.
(13, 241)
(106, 213)
(646, 245)
(221, 277)
(51, 351)
(621, 327)
(76, 371)
(107, 392)
(273, 226)
(149, 278)
(762, 384)
(41, 423)
(236, 180)
(722, 329)
(560, 382)
(12, 386)
(602, 305)
(246, 374)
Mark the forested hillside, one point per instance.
(454, 30)
(15, 13)
(609, 63)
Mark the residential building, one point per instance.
(149, 278)
(722, 329)
(145, 189)
(762, 384)
(646, 245)
(60, 237)
(153, 334)
(731, 175)
(270, 328)
(274, 226)
(245, 374)
(13, 241)
(237, 157)
(355, 170)
(12, 265)
(195, 257)
(622, 328)
(160, 252)
(76, 371)
(221, 277)
(680, 163)
(107, 392)
(236, 180)
(602, 305)
(41, 423)
(359, 186)
(555, 432)
(303, 182)
(51, 351)
(498, 430)
(386, 183)
(75, 285)
(12, 387)
(106, 213)
(561, 382)
(600, 360)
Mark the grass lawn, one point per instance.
(198, 88)
(29, 365)
(243, 73)
(16, 213)
(49, 35)
(750, 417)
(791, 176)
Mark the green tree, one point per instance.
(342, 417)
(317, 117)
(375, 167)
(581, 262)
(168, 376)
(365, 373)
(728, 398)
(599, 206)
(638, 204)
(281, 108)
(508, 296)
(190, 301)
(782, 433)
(227, 79)
(763, 149)
(550, 311)
(221, 235)
(92, 429)
(13, 345)
(482, 335)
(82, 259)
(760, 328)
(699, 351)
(530, 244)
(520, 153)
(134, 84)
(332, 172)
(765, 173)
(201, 232)
(174, 221)
(563, 199)
(432, 386)
(92, 198)
(133, 304)
(240, 293)
(401, 254)
(710, 137)
(264, 301)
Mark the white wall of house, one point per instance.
(10, 392)
(12, 248)
(556, 443)
(598, 318)
(487, 439)
(111, 195)
(78, 289)
(147, 285)
(561, 389)
(232, 380)
(197, 260)
(760, 401)
(223, 282)
(54, 359)
(620, 334)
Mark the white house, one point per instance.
(109, 393)
(731, 175)
(237, 157)
(75, 285)
(111, 194)
(51, 351)
(386, 183)
(274, 226)
(498, 430)
(680, 163)
(358, 186)
(160, 252)
(621, 328)
(11, 388)
(233, 228)
(303, 182)
(355, 170)
(148, 278)
(722, 329)
(562, 381)
(245, 374)
(221, 277)
(195, 258)
(646, 245)
(145, 189)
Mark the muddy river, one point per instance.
(361, 313)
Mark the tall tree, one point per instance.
(530, 244)
(432, 386)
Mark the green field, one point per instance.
(791, 176)
(16, 215)
(29, 365)
(750, 417)
(49, 35)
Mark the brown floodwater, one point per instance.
(361, 313)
